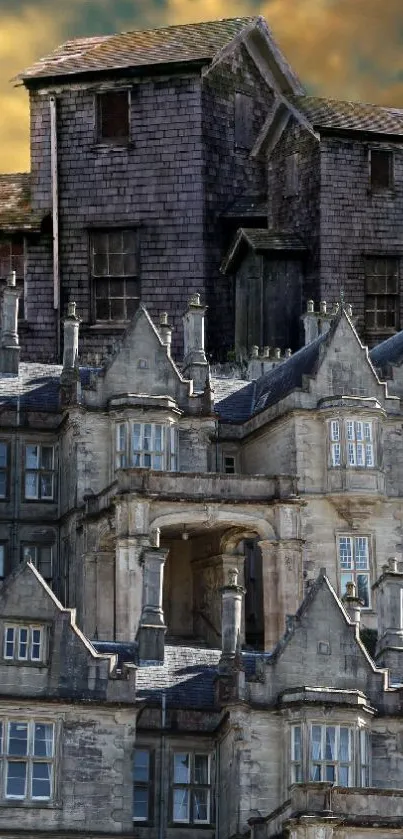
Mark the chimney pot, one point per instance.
(277, 353)
(323, 307)
(288, 353)
(310, 307)
(254, 352)
(12, 279)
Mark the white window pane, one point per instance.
(141, 765)
(136, 437)
(335, 430)
(350, 430)
(36, 643)
(363, 589)
(158, 462)
(330, 774)
(201, 805)
(330, 743)
(136, 460)
(316, 772)
(351, 454)
(296, 743)
(181, 768)
(30, 554)
(368, 431)
(359, 431)
(369, 455)
(121, 437)
(41, 780)
(9, 642)
(345, 552)
(46, 486)
(316, 742)
(32, 457)
(3, 455)
(360, 450)
(158, 438)
(31, 485)
(16, 779)
(336, 454)
(361, 552)
(201, 769)
(23, 643)
(140, 803)
(17, 738)
(344, 776)
(46, 457)
(296, 773)
(43, 740)
(181, 805)
(45, 557)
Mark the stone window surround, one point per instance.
(359, 764)
(35, 642)
(39, 471)
(355, 570)
(29, 759)
(165, 458)
(340, 439)
(190, 787)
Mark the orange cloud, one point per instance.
(343, 48)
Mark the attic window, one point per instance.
(113, 116)
(381, 168)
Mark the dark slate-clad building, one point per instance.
(201, 516)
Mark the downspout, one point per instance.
(17, 490)
(55, 219)
(161, 826)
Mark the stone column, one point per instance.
(270, 588)
(232, 602)
(71, 325)
(152, 625)
(389, 647)
(10, 350)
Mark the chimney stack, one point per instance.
(389, 648)
(165, 331)
(195, 365)
(352, 603)
(10, 350)
(69, 379)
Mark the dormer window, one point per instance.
(24, 643)
(146, 446)
(352, 443)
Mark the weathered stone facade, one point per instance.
(201, 567)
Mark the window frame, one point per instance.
(352, 440)
(119, 140)
(5, 470)
(374, 295)
(355, 571)
(38, 471)
(30, 759)
(37, 547)
(113, 278)
(3, 561)
(147, 785)
(359, 764)
(191, 786)
(379, 187)
(125, 451)
(17, 629)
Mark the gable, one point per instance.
(141, 366)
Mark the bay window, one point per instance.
(352, 443)
(332, 753)
(147, 446)
(191, 789)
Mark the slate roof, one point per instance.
(15, 204)
(260, 239)
(349, 116)
(388, 352)
(247, 206)
(270, 388)
(172, 44)
(36, 387)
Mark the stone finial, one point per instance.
(164, 319)
(352, 603)
(165, 331)
(392, 564)
(195, 300)
(350, 589)
(323, 307)
(277, 353)
(70, 343)
(254, 352)
(71, 309)
(10, 349)
(349, 310)
(288, 353)
(12, 279)
(266, 352)
(336, 307)
(195, 365)
(233, 575)
(310, 307)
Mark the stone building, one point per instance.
(201, 567)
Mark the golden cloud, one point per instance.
(343, 48)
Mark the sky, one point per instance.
(347, 49)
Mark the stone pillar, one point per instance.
(195, 365)
(231, 678)
(282, 586)
(128, 585)
(352, 603)
(152, 625)
(389, 648)
(10, 350)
